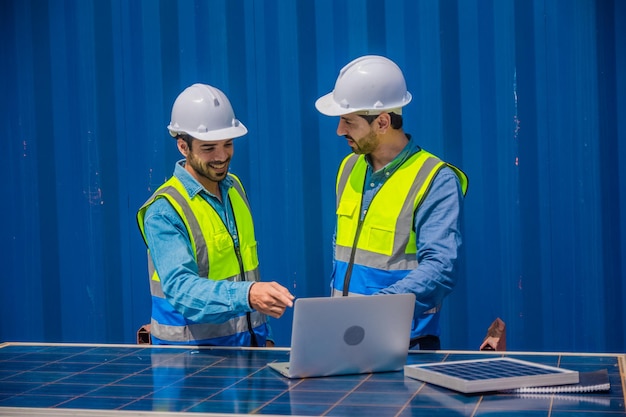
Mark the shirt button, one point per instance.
(372, 184)
(387, 173)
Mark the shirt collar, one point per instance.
(409, 150)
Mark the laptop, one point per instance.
(348, 335)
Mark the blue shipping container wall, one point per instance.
(527, 96)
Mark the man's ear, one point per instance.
(182, 146)
(383, 122)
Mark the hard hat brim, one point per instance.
(214, 135)
(328, 106)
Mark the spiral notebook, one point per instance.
(595, 381)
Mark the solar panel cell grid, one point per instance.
(65, 379)
(479, 370)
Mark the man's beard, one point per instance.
(204, 169)
(367, 144)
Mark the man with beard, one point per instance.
(398, 206)
(202, 258)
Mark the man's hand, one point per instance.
(490, 343)
(270, 298)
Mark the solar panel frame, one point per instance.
(492, 374)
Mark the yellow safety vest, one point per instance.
(216, 257)
(388, 227)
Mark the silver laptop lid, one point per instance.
(348, 335)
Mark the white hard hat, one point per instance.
(370, 83)
(204, 112)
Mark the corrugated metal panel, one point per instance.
(526, 96)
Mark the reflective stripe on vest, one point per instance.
(203, 225)
(199, 331)
(193, 228)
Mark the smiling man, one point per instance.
(202, 258)
(398, 207)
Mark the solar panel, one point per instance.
(89, 380)
(493, 374)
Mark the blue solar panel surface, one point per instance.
(491, 370)
(213, 381)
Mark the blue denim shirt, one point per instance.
(437, 228)
(198, 299)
